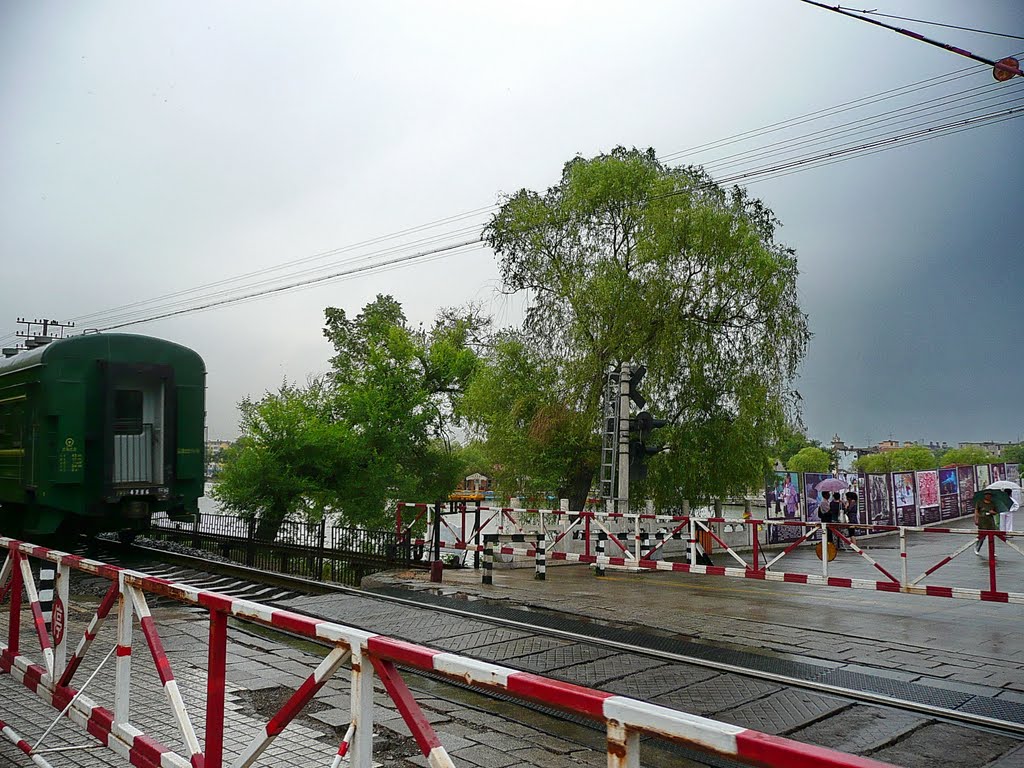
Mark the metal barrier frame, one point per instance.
(368, 654)
(753, 569)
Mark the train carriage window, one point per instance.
(128, 411)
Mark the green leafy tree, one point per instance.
(399, 390)
(279, 467)
(810, 459)
(1013, 454)
(967, 455)
(909, 457)
(628, 260)
(791, 441)
(535, 441)
(375, 430)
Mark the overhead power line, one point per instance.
(969, 122)
(244, 287)
(934, 23)
(299, 284)
(1010, 68)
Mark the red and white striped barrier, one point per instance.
(754, 569)
(369, 655)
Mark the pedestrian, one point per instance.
(835, 509)
(790, 497)
(825, 512)
(1006, 518)
(985, 511)
(851, 515)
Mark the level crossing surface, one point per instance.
(974, 645)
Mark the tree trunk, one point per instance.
(578, 487)
(268, 525)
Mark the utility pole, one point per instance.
(622, 494)
(34, 339)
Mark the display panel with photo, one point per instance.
(966, 478)
(879, 504)
(949, 494)
(812, 496)
(928, 497)
(982, 476)
(904, 498)
(783, 496)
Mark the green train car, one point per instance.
(99, 431)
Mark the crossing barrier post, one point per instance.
(489, 540)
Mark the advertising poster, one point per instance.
(783, 499)
(981, 476)
(928, 497)
(783, 496)
(965, 477)
(1013, 473)
(878, 500)
(903, 498)
(949, 494)
(997, 472)
(812, 496)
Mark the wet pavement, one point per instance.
(967, 645)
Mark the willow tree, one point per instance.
(629, 260)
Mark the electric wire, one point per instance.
(888, 143)
(969, 122)
(422, 242)
(818, 114)
(980, 94)
(933, 23)
(314, 257)
(125, 316)
(877, 128)
(866, 153)
(298, 284)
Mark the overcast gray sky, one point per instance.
(150, 148)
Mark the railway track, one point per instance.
(399, 614)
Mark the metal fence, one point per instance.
(343, 554)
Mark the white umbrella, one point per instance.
(1003, 485)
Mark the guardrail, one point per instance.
(368, 656)
(344, 554)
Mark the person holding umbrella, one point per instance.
(828, 511)
(988, 504)
(1012, 491)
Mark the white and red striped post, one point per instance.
(12, 736)
(59, 621)
(216, 672)
(123, 663)
(163, 670)
(903, 560)
(14, 587)
(37, 614)
(361, 729)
